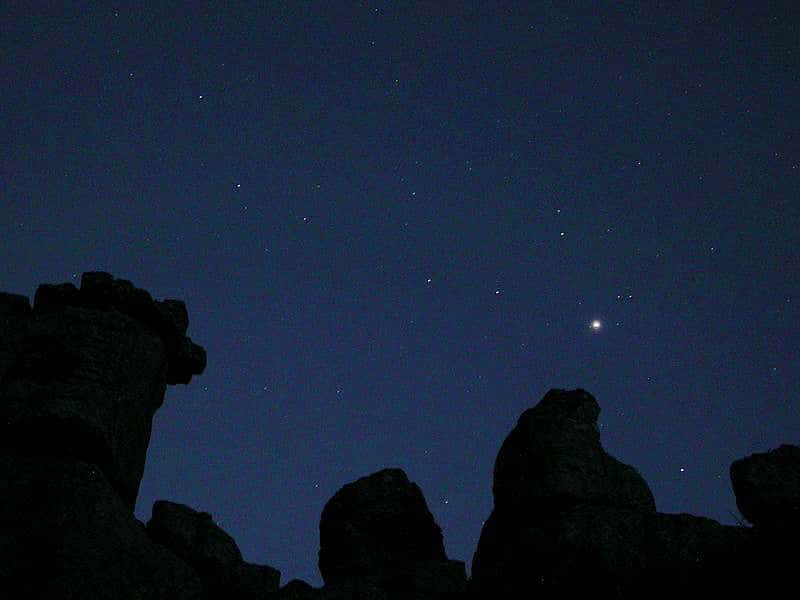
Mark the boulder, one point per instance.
(378, 537)
(211, 552)
(568, 518)
(767, 488)
(553, 460)
(83, 372)
(65, 533)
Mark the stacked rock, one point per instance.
(82, 373)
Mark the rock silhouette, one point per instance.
(767, 488)
(83, 371)
(213, 554)
(378, 532)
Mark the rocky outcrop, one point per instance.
(562, 506)
(553, 460)
(65, 533)
(83, 372)
(570, 520)
(378, 538)
(211, 552)
(767, 488)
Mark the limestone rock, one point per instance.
(568, 518)
(684, 552)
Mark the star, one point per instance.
(596, 325)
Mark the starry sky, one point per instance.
(397, 225)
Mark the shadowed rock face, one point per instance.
(374, 523)
(571, 521)
(83, 372)
(81, 375)
(767, 488)
(553, 459)
(194, 537)
(563, 505)
(66, 534)
(378, 539)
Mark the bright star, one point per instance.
(596, 325)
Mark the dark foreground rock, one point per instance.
(84, 371)
(553, 460)
(571, 521)
(66, 534)
(212, 553)
(379, 539)
(767, 488)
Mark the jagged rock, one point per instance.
(192, 535)
(168, 318)
(378, 537)
(553, 459)
(195, 538)
(66, 534)
(83, 373)
(767, 488)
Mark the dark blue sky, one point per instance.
(393, 224)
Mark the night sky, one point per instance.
(394, 224)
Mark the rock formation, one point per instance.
(767, 488)
(194, 537)
(569, 520)
(377, 533)
(83, 371)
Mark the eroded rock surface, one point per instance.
(572, 521)
(553, 459)
(66, 534)
(377, 536)
(212, 553)
(84, 371)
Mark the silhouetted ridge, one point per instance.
(84, 370)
